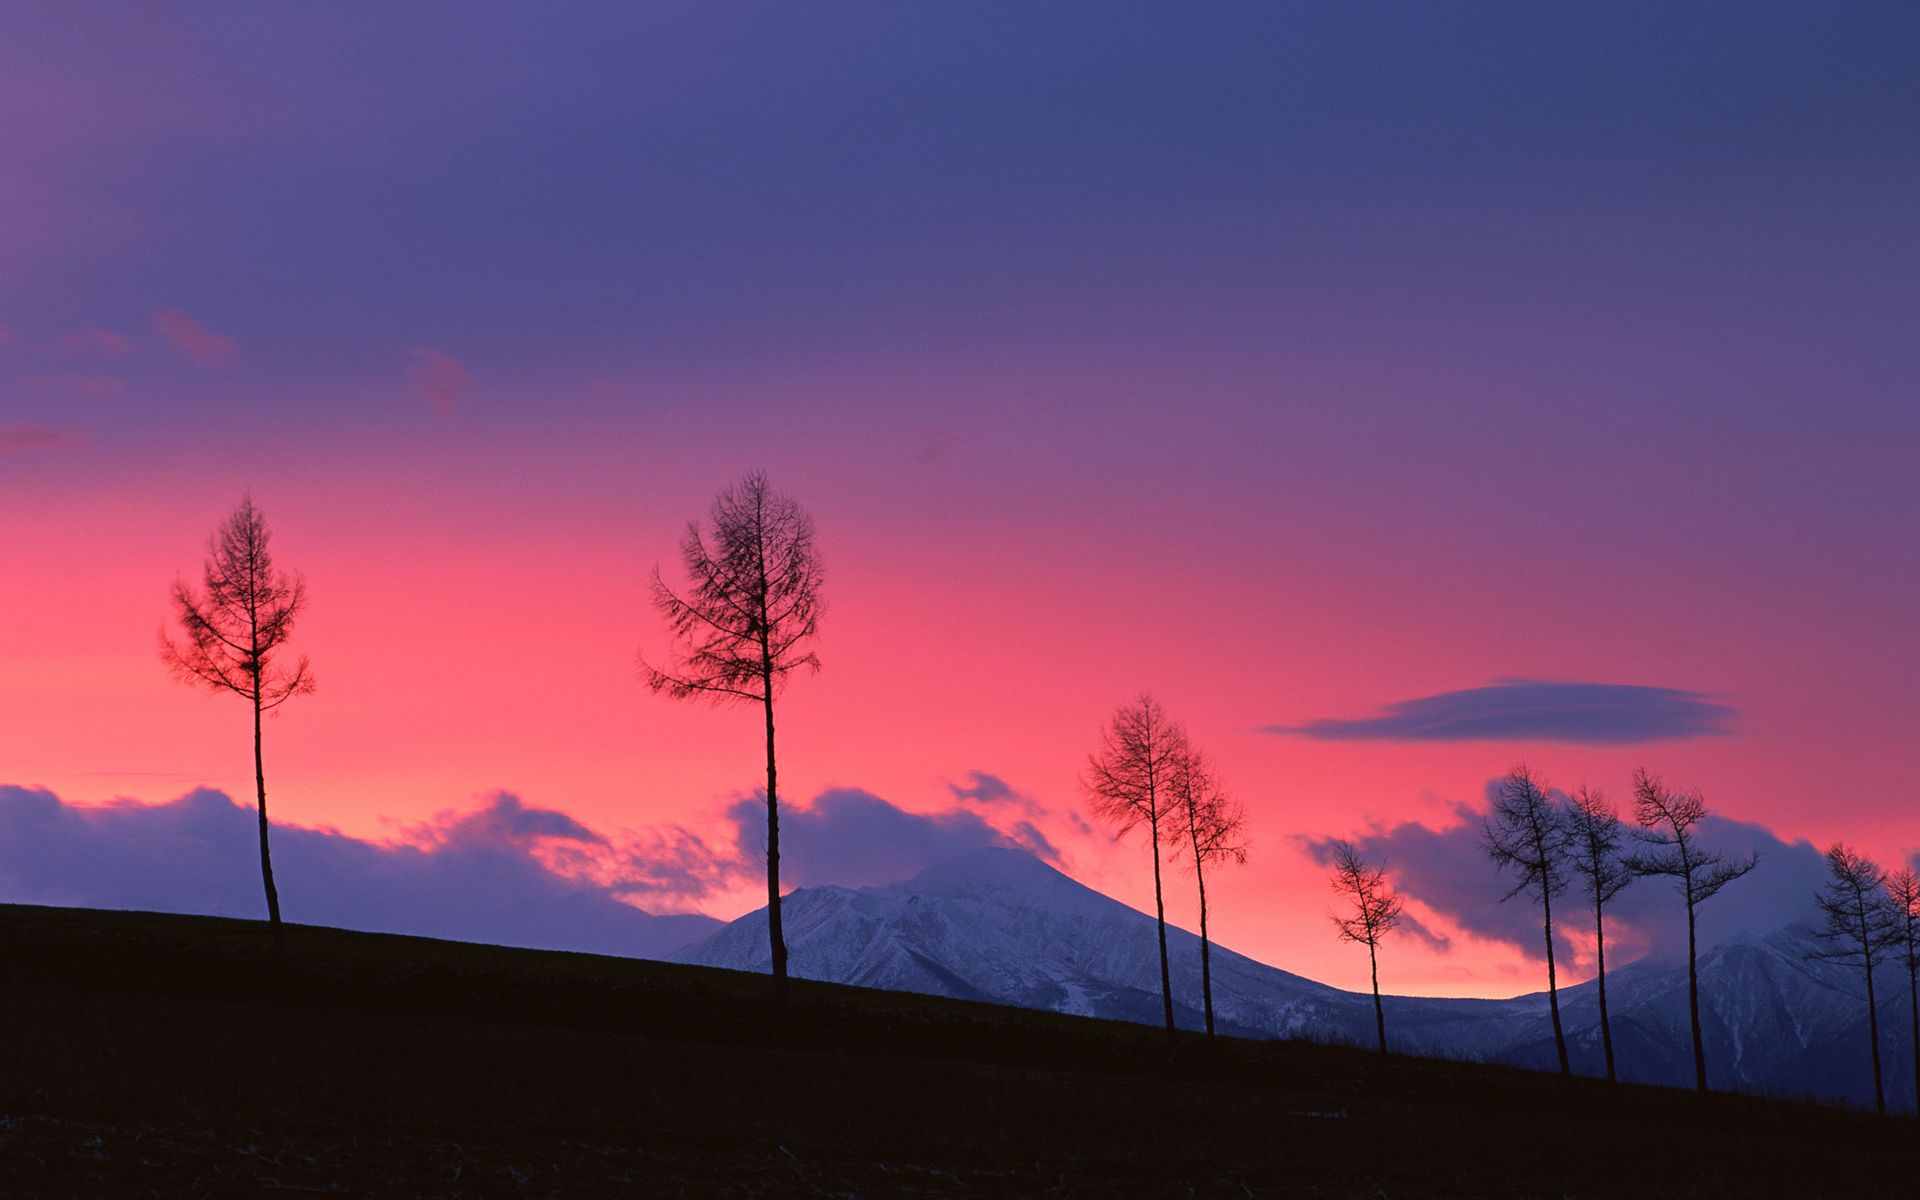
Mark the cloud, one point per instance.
(1447, 870)
(31, 439)
(83, 387)
(438, 378)
(502, 871)
(505, 822)
(491, 874)
(854, 838)
(6, 336)
(193, 339)
(990, 791)
(1595, 714)
(104, 342)
(984, 788)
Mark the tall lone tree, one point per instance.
(1668, 833)
(1594, 828)
(232, 629)
(1860, 928)
(745, 622)
(1130, 783)
(1376, 910)
(1210, 828)
(1526, 833)
(1903, 896)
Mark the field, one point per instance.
(164, 1055)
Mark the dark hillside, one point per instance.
(161, 1054)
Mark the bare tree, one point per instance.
(1130, 783)
(1903, 897)
(233, 628)
(1860, 928)
(1212, 828)
(751, 609)
(1668, 830)
(1594, 826)
(1376, 910)
(1525, 833)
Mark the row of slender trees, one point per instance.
(1148, 774)
(745, 621)
(1547, 842)
(1871, 914)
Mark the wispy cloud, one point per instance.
(31, 439)
(94, 341)
(80, 387)
(438, 378)
(193, 339)
(1597, 714)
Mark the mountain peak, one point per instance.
(1006, 876)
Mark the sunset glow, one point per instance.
(1166, 360)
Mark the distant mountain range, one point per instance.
(999, 925)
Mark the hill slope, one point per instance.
(169, 1054)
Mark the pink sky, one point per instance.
(1287, 365)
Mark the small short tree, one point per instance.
(1526, 834)
(1376, 910)
(1594, 826)
(1903, 897)
(233, 628)
(745, 623)
(1129, 784)
(1668, 834)
(1860, 928)
(1211, 828)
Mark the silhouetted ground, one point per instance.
(161, 1055)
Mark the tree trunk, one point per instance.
(775, 934)
(1553, 987)
(1873, 1011)
(1600, 946)
(1160, 916)
(1206, 967)
(1693, 998)
(1913, 997)
(266, 856)
(1379, 1014)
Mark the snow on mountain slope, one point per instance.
(1001, 926)
(998, 924)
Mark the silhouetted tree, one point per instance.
(1130, 783)
(1594, 828)
(751, 607)
(233, 629)
(1860, 927)
(1525, 833)
(1903, 896)
(1212, 828)
(1376, 910)
(1668, 823)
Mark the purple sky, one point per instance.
(1540, 374)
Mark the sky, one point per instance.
(1397, 392)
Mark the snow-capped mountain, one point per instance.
(999, 925)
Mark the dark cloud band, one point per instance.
(1595, 714)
